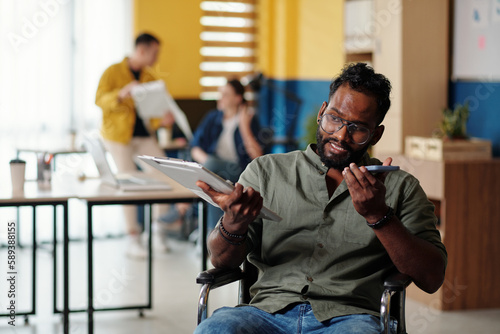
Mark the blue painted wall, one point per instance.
(279, 109)
(484, 103)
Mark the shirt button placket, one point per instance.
(304, 291)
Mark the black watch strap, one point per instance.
(384, 220)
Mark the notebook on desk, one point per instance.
(95, 147)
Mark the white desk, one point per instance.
(35, 196)
(94, 193)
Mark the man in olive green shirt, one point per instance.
(321, 268)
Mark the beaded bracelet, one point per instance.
(236, 236)
(229, 241)
(384, 220)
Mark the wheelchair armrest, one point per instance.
(218, 277)
(211, 279)
(397, 281)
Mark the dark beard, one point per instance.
(335, 162)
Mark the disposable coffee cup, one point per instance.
(164, 136)
(17, 170)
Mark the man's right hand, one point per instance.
(241, 206)
(125, 91)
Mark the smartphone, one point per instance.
(381, 169)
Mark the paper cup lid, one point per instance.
(17, 161)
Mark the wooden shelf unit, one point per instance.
(411, 49)
(467, 192)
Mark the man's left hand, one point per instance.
(367, 191)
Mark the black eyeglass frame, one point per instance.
(348, 124)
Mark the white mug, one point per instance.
(17, 170)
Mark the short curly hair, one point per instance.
(362, 78)
(146, 39)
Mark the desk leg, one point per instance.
(33, 263)
(18, 231)
(65, 267)
(150, 257)
(90, 310)
(65, 270)
(54, 256)
(202, 223)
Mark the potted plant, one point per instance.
(310, 128)
(455, 144)
(454, 122)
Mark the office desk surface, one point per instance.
(63, 188)
(33, 192)
(96, 191)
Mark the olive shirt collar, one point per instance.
(322, 169)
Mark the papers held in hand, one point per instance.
(152, 100)
(187, 173)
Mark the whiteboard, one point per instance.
(476, 40)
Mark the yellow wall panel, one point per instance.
(285, 46)
(265, 36)
(297, 39)
(320, 39)
(300, 39)
(177, 24)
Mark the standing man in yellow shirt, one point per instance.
(125, 134)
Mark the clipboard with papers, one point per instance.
(152, 100)
(187, 173)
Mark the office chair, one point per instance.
(392, 302)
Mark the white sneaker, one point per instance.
(135, 250)
(160, 243)
(160, 239)
(193, 236)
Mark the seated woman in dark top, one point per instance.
(227, 139)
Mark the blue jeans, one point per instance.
(294, 319)
(227, 170)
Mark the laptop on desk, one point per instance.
(138, 182)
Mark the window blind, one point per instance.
(228, 43)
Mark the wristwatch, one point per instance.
(384, 220)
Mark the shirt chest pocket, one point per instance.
(357, 232)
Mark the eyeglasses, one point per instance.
(331, 124)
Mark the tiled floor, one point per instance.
(119, 281)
